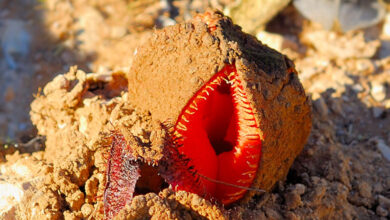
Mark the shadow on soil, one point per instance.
(30, 56)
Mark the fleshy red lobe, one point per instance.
(121, 176)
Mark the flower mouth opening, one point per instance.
(218, 133)
(217, 118)
(149, 180)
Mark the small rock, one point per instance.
(263, 199)
(336, 106)
(365, 189)
(383, 148)
(86, 209)
(386, 26)
(293, 200)
(378, 112)
(386, 103)
(70, 216)
(91, 188)
(76, 200)
(196, 201)
(83, 125)
(276, 41)
(259, 215)
(325, 14)
(253, 15)
(378, 187)
(348, 15)
(384, 202)
(381, 211)
(357, 88)
(321, 107)
(300, 188)
(272, 214)
(163, 21)
(317, 194)
(365, 66)
(15, 41)
(91, 24)
(384, 50)
(59, 82)
(293, 197)
(292, 216)
(378, 91)
(118, 32)
(387, 181)
(9, 94)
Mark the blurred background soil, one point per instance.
(344, 170)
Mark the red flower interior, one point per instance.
(218, 133)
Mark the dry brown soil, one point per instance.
(342, 173)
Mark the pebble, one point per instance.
(321, 107)
(86, 209)
(386, 26)
(83, 125)
(386, 103)
(381, 211)
(165, 21)
(196, 201)
(349, 15)
(276, 41)
(357, 88)
(300, 188)
(293, 200)
(384, 202)
(336, 106)
(378, 112)
(263, 199)
(76, 200)
(365, 189)
(383, 148)
(325, 14)
(388, 138)
(9, 94)
(292, 216)
(378, 187)
(384, 50)
(365, 66)
(378, 91)
(15, 41)
(272, 214)
(91, 26)
(59, 82)
(118, 32)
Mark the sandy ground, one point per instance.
(342, 173)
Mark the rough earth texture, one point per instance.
(171, 67)
(92, 105)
